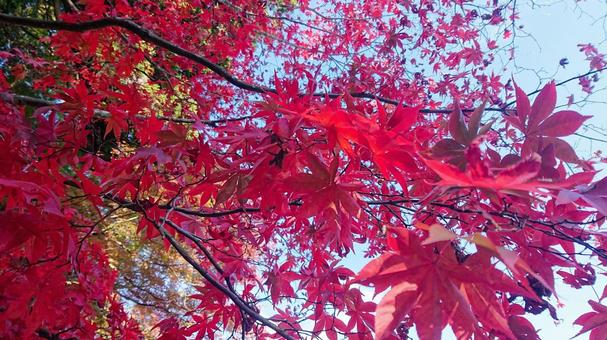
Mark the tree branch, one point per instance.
(38, 102)
(143, 33)
(561, 83)
(153, 38)
(235, 298)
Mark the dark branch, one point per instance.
(235, 298)
(38, 102)
(143, 33)
(562, 83)
(152, 37)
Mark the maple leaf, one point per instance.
(466, 134)
(453, 149)
(360, 313)
(339, 127)
(328, 323)
(174, 134)
(519, 176)
(400, 120)
(594, 194)
(594, 322)
(280, 279)
(435, 289)
(170, 330)
(583, 276)
(321, 189)
(392, 157)
(538, 120)
(116, 123)
(22, 193)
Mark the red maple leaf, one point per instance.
(434, 288)
(594, 322)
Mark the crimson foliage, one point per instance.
(385, 130)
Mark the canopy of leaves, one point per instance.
(201, 169)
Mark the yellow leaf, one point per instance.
(482, 241)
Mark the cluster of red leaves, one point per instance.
(470, 216)
(50, 283)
